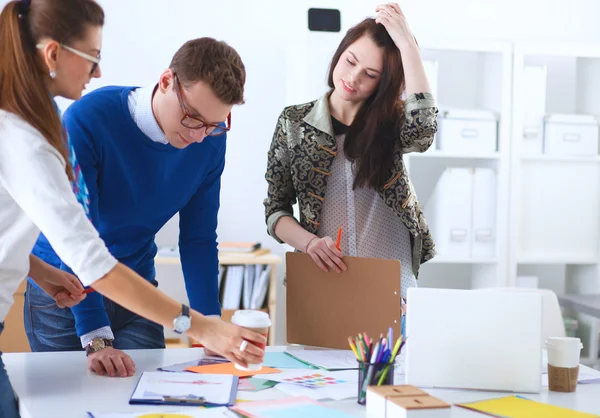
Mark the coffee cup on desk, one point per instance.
(563, 363)
(256, 321)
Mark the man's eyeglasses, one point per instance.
(94, 60)
(191, 122)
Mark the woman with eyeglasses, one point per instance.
(342, 156)
(38, 173)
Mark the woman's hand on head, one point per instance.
(391, 17)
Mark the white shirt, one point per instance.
(35, 194)
(370, 228)
(139, 102)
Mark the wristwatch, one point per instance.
(97, 344)
(183, 322)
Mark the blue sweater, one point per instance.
(137, 185)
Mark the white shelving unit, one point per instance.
(555, 199)
(470, 76)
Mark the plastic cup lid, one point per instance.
(251, 318)
(557, 342)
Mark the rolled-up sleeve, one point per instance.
(420, 123)
(33, 173)
(281, 194)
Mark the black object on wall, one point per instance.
(324, 20)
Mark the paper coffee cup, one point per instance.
(563, 351)
(256, 321)
(563, 363)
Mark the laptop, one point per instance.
(466, 339)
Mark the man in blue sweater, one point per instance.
(146, 154)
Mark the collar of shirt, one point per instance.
(139, 102)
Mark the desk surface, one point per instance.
(58, 385)
(587, 304)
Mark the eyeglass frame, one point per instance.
(186, 114)
(94, 60)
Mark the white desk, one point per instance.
(57, 385)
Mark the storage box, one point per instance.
(468, 131)
(534, 108)
(377, 397)
(417, 407)
(571, 135)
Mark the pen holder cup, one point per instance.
(373, 374)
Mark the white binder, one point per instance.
(534, 107)
(484, 213)
(232, 293)
(249, 279)
(449, 213)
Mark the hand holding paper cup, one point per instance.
(256, 321)
(563, 363)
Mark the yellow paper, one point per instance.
(515, 407)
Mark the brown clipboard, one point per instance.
(324, 309)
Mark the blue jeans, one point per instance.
(8, 402)
(50, 328)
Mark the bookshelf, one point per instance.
(262, 256)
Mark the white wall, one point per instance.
(286, 64)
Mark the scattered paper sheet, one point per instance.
(289, 408)
(219, 412)
(155, 386)
(229, 368)
(181, 367)
(318, 384)
(326, 359)
(281, 360)
(253, 384)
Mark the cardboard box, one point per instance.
(377, 397)
(417, 407)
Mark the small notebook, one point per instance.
(518, 407)
(160, 388)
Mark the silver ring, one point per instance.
(243, 346)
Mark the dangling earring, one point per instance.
(52, 74)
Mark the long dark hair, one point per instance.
(370, 140)
(23, 89)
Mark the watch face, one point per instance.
(98, 344)
(182, 324)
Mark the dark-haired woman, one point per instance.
(341, 156)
